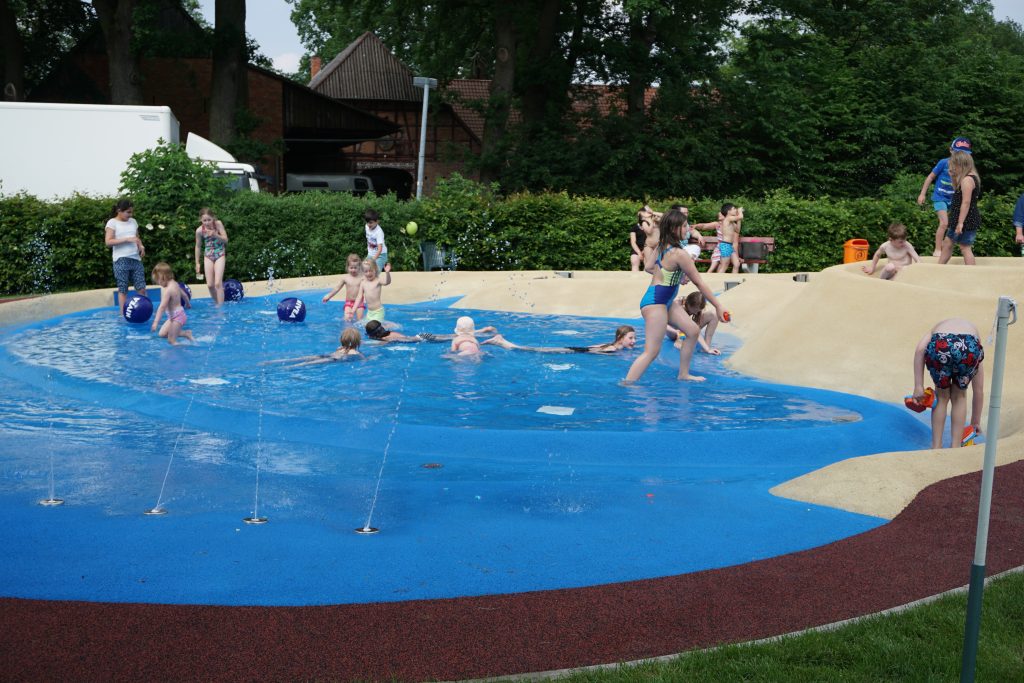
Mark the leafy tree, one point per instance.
(35, 34)
(117, 18)
(229, 90)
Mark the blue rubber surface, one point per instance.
(655, 479)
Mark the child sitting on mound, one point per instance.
(897, 249)
(953, 354)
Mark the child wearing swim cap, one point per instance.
(465, 343)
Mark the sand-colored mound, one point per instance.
(841, 330)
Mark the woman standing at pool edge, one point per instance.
(668, 262)
(211, 240)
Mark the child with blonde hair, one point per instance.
(897, 249)
(348, 349)
(964, 217)
(350, 281)
(370, 290)
(465, 342)
(170, 301)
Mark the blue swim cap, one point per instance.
(291, 310)
(137, 309)
(233, 290)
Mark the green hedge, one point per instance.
(59, 246)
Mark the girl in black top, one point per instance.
(964, 217)
(637, 238)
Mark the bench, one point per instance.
(753, 250)
(437, 258)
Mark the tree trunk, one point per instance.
(641, 42)
(546, 80)
(116, 20)
(229, 90)
(501, 89)
(14, 54)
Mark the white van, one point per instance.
(328, 182)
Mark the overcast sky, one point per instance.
(269, 22)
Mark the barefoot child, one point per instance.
(122, 235)
(953, 354)
(668, 262)
(729, 245)
(707, 323)
(170, 301)
(897, 249)
(350, 281)
(211, 243)
(369, 290)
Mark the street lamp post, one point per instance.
(426, 84)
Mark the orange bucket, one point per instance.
(855, 250)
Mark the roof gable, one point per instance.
(366, 70)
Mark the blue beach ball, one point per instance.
(137, 309)
(233, 290)
(291, 310)
(185, 288)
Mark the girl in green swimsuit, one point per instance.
(211, 242)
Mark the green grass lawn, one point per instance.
(920, 644)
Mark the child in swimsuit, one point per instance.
(350, 281)
(694, 305)
(348, 349)
(465, 342)
(953, 354)
(716, 253)
(170, 301)
(211, 241)
(667, 264)
(625, 339)
(369, 290)
(729, 243)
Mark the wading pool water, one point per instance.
(520, 471)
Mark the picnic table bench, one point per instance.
(753, 250)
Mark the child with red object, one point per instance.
(953, 354)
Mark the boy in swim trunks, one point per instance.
(369, 290)
(729, 245)
(170, 301)
(897, 249)
(953, 354)
(350, 281)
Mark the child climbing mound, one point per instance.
(953, 354)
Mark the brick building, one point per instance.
(369, 77)
(298, 122)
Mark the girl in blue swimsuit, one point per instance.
(668, 263)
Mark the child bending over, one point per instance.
(897, 249)
(707, 323)
(952, 352)
(170, 301)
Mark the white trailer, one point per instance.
(53, 150)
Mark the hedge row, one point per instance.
(59, 246)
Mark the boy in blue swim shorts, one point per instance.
(953, 354)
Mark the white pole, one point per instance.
(426, 84)
(976, 587)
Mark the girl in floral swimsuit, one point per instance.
(211, 241)
(668, 263)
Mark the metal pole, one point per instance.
(426, 84)
(977, 582)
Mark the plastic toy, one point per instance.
(969, 436)
(918, 406)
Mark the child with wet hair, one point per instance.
(348, 349)
(953, 354)
(897, 249)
